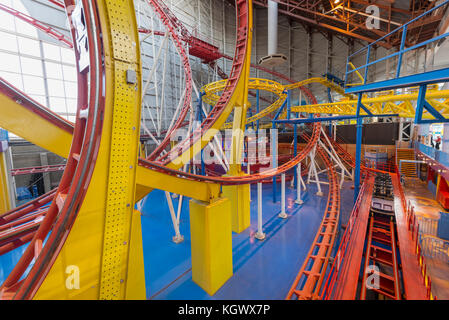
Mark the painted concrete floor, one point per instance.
(262, 269)
(423, 200)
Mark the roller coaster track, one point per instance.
(52, 32)
(18, 226)
(307, 284)
(81, 162)
(232, 92)
(39, 169)
(172, 24)
(341, 283)
(213, 88)
(384, 103)
(83, 183)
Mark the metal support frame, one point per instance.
(422, 104)
(178, 238)
(313, 171)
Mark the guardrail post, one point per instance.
(404, 35)
(368, 53)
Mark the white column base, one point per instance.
(259, 236)
(178, 239)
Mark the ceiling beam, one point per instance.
(324, 25)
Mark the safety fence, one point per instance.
(414, 227)
(338, 264)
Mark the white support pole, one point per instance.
(298, 184)
(313, 171)
(249, 172)
(283, 215)
(178, 215)
(259, 234)
(317, 179)
(178, 237)
(331, 151)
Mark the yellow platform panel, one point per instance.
(211, 240)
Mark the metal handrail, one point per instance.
(400, 52)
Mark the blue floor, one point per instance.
(262, 269)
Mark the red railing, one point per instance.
(343, 247)
(413, 228)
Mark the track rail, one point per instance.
(308, 282)
(172, 24)
(38, 169)
(81, 161)
(52, 32)
(343, 276)
(224, 105)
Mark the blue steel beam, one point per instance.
(337, 118)
(358, 148)
(422, 104)
(430, 77)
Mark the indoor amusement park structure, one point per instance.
(92, 218)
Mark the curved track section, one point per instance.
(80, 221)
(45, 246)
(308, 282)
(39, 25)
(165, 15)
(233, 91)
(213, 88)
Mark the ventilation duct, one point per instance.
(273, 58)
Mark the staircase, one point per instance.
(407, 169)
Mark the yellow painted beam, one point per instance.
(5, 203)
(38, 130)
(403, 107)
(135, 286)
(150, 179)
(239, 197)
(99, 243)
(26, 124)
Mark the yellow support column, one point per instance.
(5, 203)
(239, 196)
(135, 286)
(211, 237)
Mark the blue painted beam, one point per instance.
(358, 148)
(430, 77)
(280, 110)
(422, 104)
